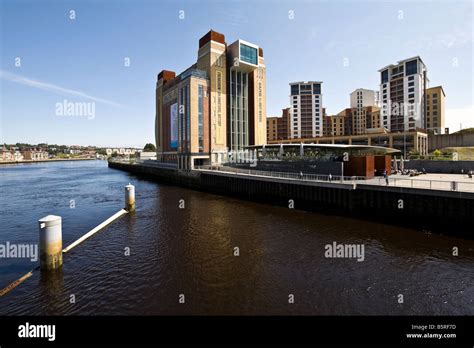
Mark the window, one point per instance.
(411, 67)
(295, 89)
(411, 95)
(411, 78)
(316, 88)
(248, 54)
(201, 118)
(411, 84)
(384, 76)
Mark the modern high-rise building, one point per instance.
(306, 103)
(435, 109)
(402, 95)
(217, 104)
(361, 101)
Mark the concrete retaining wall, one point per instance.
(449, 140)
(447, 212)
(166, 175)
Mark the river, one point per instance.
(191, 252)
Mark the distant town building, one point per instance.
(306, 109)
(11, 154)
(402, 94)
(435, 102)
(89, 153)
(35, 155)
(120, 151)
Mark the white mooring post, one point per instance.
(51, 242)
(130, 197)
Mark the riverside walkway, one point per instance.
(435, 182)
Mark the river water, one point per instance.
(190, 251)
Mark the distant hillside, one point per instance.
(465, 131)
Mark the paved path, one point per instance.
(428, 181)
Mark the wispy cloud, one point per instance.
(8, 76)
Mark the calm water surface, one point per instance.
(190, 251)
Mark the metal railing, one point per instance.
(283, 175)
(442, 185)
(152, 163)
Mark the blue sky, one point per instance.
(82, 60)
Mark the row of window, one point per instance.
(201, 118)
(314, 88)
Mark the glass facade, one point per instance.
(248, 54)
(181, 120)
(385, 76)
(316, 88)
(184, 132)
(201, 118)
(238, 110)
(295, 89)
(411, 67)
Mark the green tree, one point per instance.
(149, 148)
